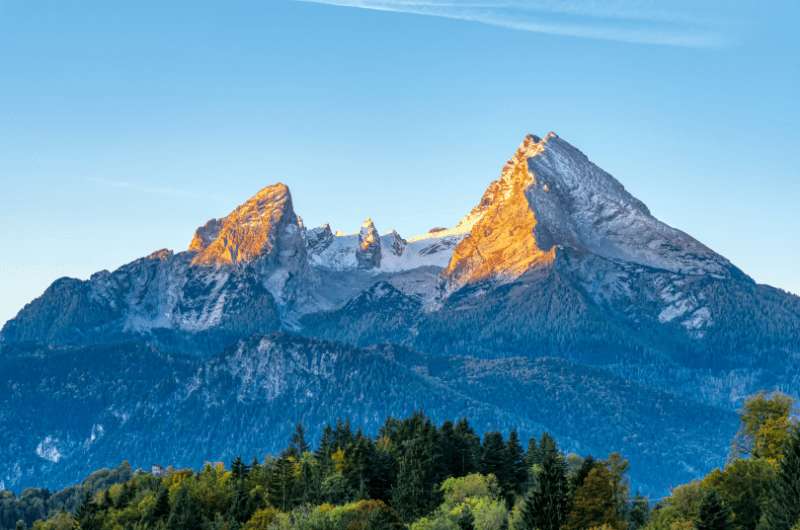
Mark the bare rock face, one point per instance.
(318, 239)
(550, 196)
(264, 226)
(502, 243)
(368, 253)
(395, 243)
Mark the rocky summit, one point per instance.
(559, 303)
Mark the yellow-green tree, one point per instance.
(765, 427)
(595, 504)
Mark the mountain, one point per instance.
(558, 303)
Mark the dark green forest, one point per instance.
(417, 475)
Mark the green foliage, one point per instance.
(744, 487)
(782, 510)
(412, 473)
(764, 431)
(471, 502)
(545, 507)
(713, 514)
(595, 503)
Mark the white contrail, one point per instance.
(612, 20)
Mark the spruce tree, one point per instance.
(412, 493)
(185, 514)
(515, 463)
(494, 460)
(466, 449)
(713, 515)
(532, 453)
(298, 445)
(86, 515)
(545, 506)
(783, 509)
(238, 469)
(281, 487)
(160, 510)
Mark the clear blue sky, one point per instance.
(124, 125)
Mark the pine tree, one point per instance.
(783, 509)
(240, 508)
(239, 469)
(86, 515)
(298, 444)
(545, 506)
(515, 463)
(185, 514)
(125, 496)
(281, 487)
(412, 494)
(309, 479)
(586, 467)
(494, 460)
(324, 451)
(358, 466)
(532, 452)
(160, 510)
(466, 449)
(713, 515)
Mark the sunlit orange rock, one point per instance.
(502, 242)
(250, 231)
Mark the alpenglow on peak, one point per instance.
(252, 230)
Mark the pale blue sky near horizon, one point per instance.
(124, 126)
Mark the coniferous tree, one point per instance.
(494, 460)
(515, 464)
(466, 449)
(86, 515)
(783, 508)
(238, 469)
(160, 510)
(713, 515)
(324, 451)
(185, 514)
(298, 445)
(545, 506)
(309, 479)
(281, 485)
(532, 453)
(586, 467)
(125, 496)
(412, 493)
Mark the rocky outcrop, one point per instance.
(264, 227)
(318, 239)
(502, 242)
(368, 253)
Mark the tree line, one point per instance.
(418, 475)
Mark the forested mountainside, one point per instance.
(159, 408)
(558, 303)
(419, 475)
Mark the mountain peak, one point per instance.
(368, 254)
(249, 231)
(501, 242)
(549, 195)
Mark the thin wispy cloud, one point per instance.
(630, 21)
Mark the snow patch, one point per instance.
(48, 450)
